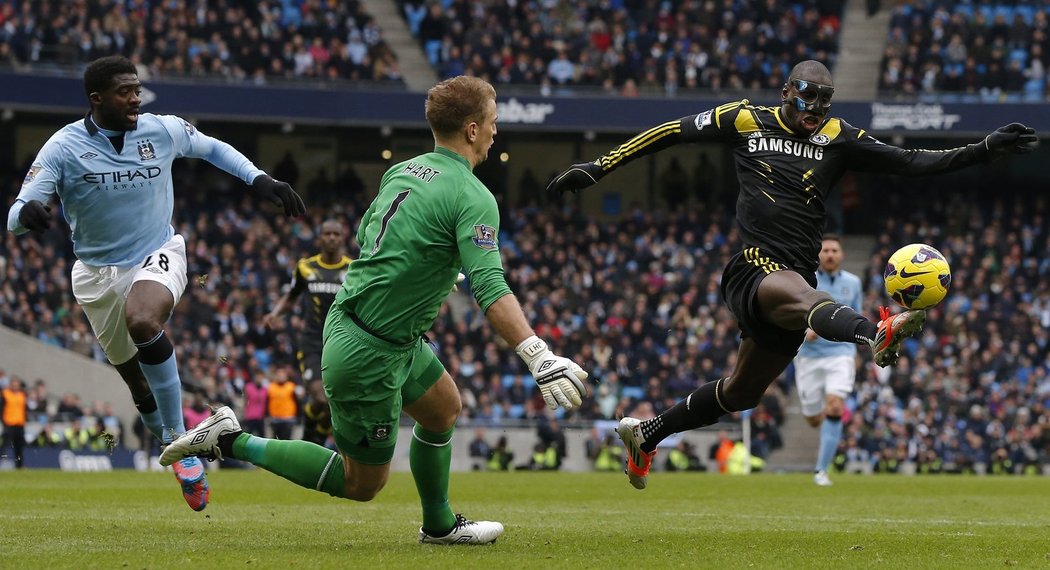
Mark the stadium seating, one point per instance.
(225, 40)
(967, 51)
(651, 46)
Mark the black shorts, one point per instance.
(309, 364)
(740, 281)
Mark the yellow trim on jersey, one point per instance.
(304, 268)
(765, 165)
(776, 113)
(343, 262)
(832, 129)
(860, 133)
(753, 256)
(768, 196)
(746, 121)
(639, 142)
(722, 109)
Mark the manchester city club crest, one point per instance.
(146, 151)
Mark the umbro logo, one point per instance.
(199, 438)
(88, 155)
(905, 274)
(545, 365)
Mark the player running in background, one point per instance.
(787, 160)
(825, 370)
(111, 171)
(319, 276)
(431, 217)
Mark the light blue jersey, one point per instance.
(845, 288)
(119, 205)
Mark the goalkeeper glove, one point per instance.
(576, 178)
(281, 194)
(560, 379)
(1014, 138)
(35, 216)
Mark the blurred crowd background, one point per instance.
(635, 301)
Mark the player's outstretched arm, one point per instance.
(1014, 138)
(872, 155)
(585, 174)
(281, 194)
(560, 379)
(576, 178)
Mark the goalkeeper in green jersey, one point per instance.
(431, 217)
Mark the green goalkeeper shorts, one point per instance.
(367, 380)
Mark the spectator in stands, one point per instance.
(13, 414)
(47, 437)
(479, 449)
(75, 436)
(196, 411)
(256, 395)
(683, 458)
(69, 408)
(281, 404)
(500, 457)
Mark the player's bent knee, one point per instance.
(362, 491)
(741, 397)
(142, 327)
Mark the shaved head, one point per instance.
(813, 71)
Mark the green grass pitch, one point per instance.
(125, 519)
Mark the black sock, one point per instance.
(146, 405)
(156, 350)
(838, 322)
(701, 408)
(226, 442)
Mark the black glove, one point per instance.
(576, 178)
(281, 194)
(1014, 138)
(35, 216)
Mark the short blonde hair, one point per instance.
(456, 102)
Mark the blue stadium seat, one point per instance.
(1020, 55)
(516, 411)
(1026, 12)
(634, 392)
(433, 50)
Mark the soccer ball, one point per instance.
(917, 276)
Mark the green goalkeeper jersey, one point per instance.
(432, 216)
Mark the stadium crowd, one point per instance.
(974, 389)
(635, 301)
(224, 39)
(978, 50)
(649, 46)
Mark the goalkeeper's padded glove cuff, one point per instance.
(530, 349)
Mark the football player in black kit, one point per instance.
(320, 276)
(787, 160)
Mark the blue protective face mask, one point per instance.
(812, 97)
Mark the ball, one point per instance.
(917, 276)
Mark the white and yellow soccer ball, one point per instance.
(917, 276)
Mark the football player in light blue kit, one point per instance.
(111, 171)
(825, 370)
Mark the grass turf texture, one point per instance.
(50, 519)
